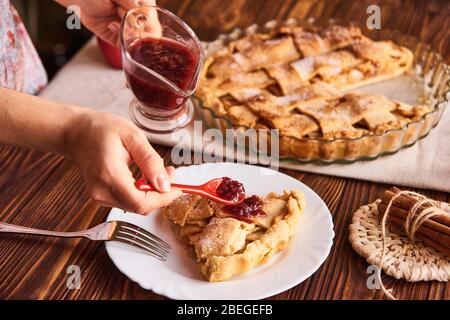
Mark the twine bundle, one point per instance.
(416, 217)
(421, 212)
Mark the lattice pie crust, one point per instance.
(297, 80)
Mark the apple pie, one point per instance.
(297, 80)
(228, 241)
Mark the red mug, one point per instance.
(111, 53)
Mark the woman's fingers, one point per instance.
(127, 196)
(124, 5)
(128, 4)
(121, 193)
(103, 146)
(114, 27)
(142, 22)
(146, 3)
(101, 195)
(121, 11)
(148, 160)
(159, 200)
(170, 172)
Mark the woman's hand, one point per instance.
(103, 17)
(103, 146)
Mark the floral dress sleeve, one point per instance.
(20, 66)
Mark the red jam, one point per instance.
(230, 190)
(172, 60)
(250, 207)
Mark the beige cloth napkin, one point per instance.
(87, 81)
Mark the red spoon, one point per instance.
(207, 190)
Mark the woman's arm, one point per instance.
(33, 122)
(102, 145)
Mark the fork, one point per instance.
(109, 231)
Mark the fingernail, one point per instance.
(113, 27)
(140, 3)
(163, 183)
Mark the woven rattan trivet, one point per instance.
(404, 258)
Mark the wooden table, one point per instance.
(46, 191)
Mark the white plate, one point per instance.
(180, 277)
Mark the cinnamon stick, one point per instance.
(435, 245)
(407, 203)
(434, 239)
(434, 232)
(430, 242)
(401, 213)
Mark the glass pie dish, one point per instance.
(426, 83)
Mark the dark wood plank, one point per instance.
(46, 191)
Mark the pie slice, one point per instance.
(340, 114)
(258, 54)
(229, 242)
(313, 41)
(268, 105)
(326, 65)
(257, 79)
(286, 76)
(296, 125)
(242, 116)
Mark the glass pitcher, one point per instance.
(162, 59)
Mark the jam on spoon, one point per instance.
(234, 190)
(250, 207)
(231, 189)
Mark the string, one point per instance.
(413, 222)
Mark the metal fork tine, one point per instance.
(139, 245)
(142, 240)
(144, 237)
(145, 233)
(137, 233)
